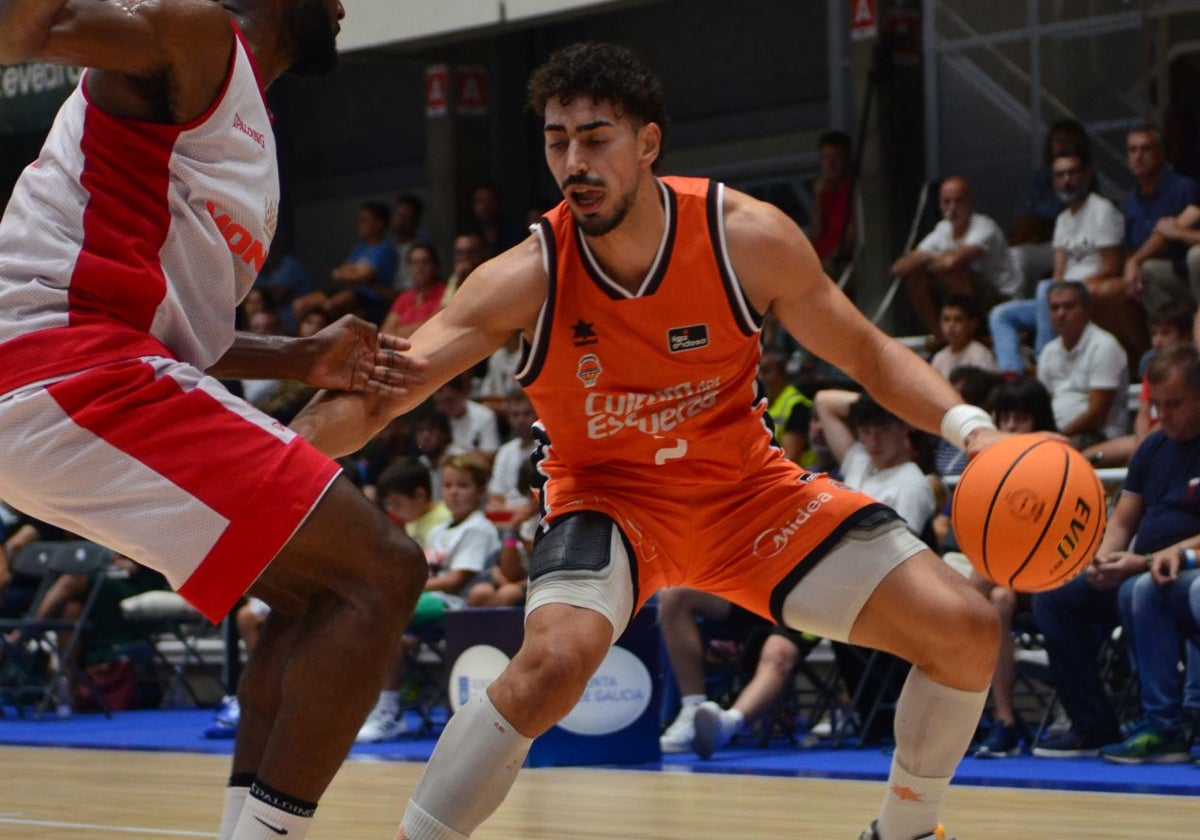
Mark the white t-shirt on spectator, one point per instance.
(499, 379)
(468, 546)
(1096, 362)
(903, 487)
(996, 263)
(510, 457)
(1098, 224)
(476, 429)
(974, 354)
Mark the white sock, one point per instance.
(736, 717)
(470, 772)
(235, 798)
(691, 700)
(934, 727)
(269, 815)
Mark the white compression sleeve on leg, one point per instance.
(470, 772)
(934, 727)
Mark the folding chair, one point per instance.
(177, 635)
(38, 664)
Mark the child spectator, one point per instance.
(960, 324)
(458, 550)
(406, 492)
(510, 576)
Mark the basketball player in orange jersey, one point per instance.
(640, 300)
(124, 252)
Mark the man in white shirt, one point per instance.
(504, 493)
(473, 427)
(1084, 369)
(966, 254)
(1088, 246)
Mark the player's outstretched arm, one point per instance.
(347, 355)
(778, 269)
(502, 296)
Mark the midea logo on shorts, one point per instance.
(770, 543)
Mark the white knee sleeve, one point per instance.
(470, 772)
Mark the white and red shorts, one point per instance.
(154, 459)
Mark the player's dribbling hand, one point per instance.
(351, 355)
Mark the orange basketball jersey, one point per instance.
(649, 409)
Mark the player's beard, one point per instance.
(313, 33)
(600, 225)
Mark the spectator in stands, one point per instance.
(20, 531)
(470, 251)
(1084, 369)
(417, 304)
(966, 254)
(283, 279)
(505, 495)
(873, 448)
(1184, 231)
(1157, 513)
(1154, 268)
(473, 427)
(1037, 212)
(406, 232)
(959, 326)
(434, 440)
(833, 225)
(1018, 406)
(1160, 506)
(499, 232)
(363, 283)
(1170, 325)
(405, 491)
(681, 614)
(789, 409)
(458, 550)
(509, 578)
(1088, 237)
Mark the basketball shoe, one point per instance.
(383, 724)
(1002, 741)
(681, 734)
(225, 721)
(715, 727)
(939, 833)
(1150, 744)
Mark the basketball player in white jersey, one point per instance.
(124, 252)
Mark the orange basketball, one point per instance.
(1029, 512)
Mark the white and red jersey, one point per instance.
(127, 239)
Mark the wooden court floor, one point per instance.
(58, 794)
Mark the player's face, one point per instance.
(1177, 405)
(312, 29)
(598, 155)
(459, 492)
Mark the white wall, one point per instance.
(372, 23)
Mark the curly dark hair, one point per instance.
(603, 72)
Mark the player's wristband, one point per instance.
(961, 420)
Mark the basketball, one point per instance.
(1029, 512)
